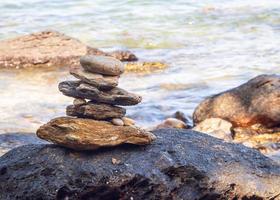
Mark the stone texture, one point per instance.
(123, 55)
(43, 49)
(181, 116)
(255, 102)
(172, 123)
(78, 102)
(117, 122)
(96, 111)
(102, 65)
(98, 80)
(180, 164)
(215, 127)
(49, 49)
(88, 134)
(128, 121)
(9, 141)
(145, 67)
(116, 96)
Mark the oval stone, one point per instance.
(102, 65)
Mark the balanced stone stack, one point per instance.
(100, 121)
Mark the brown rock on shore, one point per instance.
(96, 111)
(49, 49)
(254, 102)
(88, 134)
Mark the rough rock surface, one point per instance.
(48, 48)
(255, 102)
(122, 55)
(89, 134)
(180, 164)
(172, 123)
(9, 141)
(96, 111)
(102, 65)
(216, 127)
(79, 102)
(100, 81)
(116, 96)
(145, 67)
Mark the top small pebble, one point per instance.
(102, 65)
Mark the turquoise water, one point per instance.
(210, 46)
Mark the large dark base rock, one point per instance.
(178, 165)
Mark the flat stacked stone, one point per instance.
(96, 107)
(97, 91)
(98, 111)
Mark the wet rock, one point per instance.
(49, 49)
(78, 102)
(100, 81)
(117, 122)
(255, 102)
(116, 96)
(181, 116)
(180, 164)
(102, 65)
(96, 111)
(43, 49)
(123, 55)
(144, 67)
(9, 141)
(255, 140)
(128, 121)
(172, 123)
(215, 127)
(88, 134)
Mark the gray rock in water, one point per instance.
(177, 165)
(254, 102)
(102, 65)
(98, 80)
(116, 96)
(96, 111)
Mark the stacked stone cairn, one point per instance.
(97, 120)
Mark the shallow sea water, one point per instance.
(210, 46)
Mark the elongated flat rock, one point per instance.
(104, 82)
(95, 111)
(116, 96)
(43, 49)
(102, 65)
(88, 134)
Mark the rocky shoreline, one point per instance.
(136, 163)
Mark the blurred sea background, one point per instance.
(209, 46)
